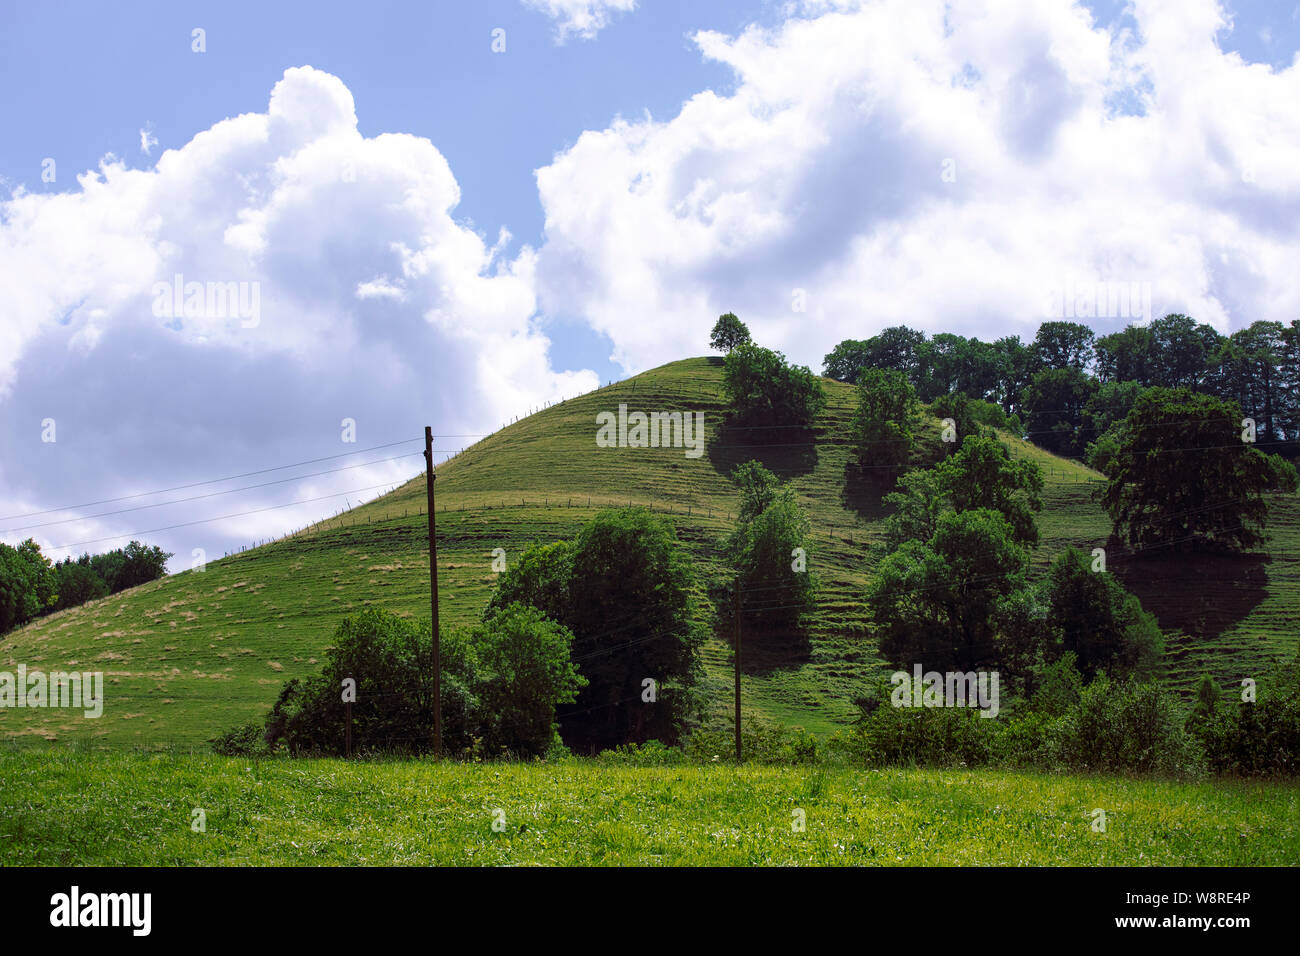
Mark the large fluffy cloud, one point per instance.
(949, 166)
(353, 294)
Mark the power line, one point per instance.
(210, 481)
(242, 514)
(212, 494)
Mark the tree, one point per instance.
(1289, 373)
(78, 583)
(1062, 345)
(140, 565)
(1182, 477)
(944, 362)
(956, 406)
(1014, 369)
(523, 673)
(980, 475)
(1249, 370)
(539, 579)
(758, 489)
(1054, 404)
(765, 391)
(897, 348)
(728, 332)
(1181, 350)
(28, 584)
(1108, 406)
(846, 360)
(1125, 356)
(1103, 416)
(938, 603)
(623, 588)
(1098, 621)
(882, 425)
(767, 551)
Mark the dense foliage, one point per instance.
(501, 682)
(883, 425)
(765, 391)
(1052, 380)
(1181, 477)
(728, 332)
(31, 586)
(623, 588)
(768, 553)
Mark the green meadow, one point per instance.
(134, 809)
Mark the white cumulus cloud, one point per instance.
(946, 166)
(320, 276)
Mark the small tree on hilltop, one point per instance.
(728, 332)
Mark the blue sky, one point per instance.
(824, 168)
(81, 86)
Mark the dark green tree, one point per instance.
(623, 588)
(1054, 405)
(939, 603)
(768, 552)
(883, 432)
(1062, 345)
(1100, 622)
(728, 332)
(1182, 478)
(766, 391)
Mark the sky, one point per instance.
(451, 213)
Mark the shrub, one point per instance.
(921, 736)
(652, 753)
(761, 742)
(1253, 738)
(500, 684)
(246, 740)
(1122, 726)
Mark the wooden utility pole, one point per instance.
(737, 609)
(430, 477)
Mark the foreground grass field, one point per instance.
(79, 808)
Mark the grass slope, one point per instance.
(136, 810)
(195, 653)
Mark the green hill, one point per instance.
(199, 652)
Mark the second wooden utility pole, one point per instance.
(737, 606)
(433, 595)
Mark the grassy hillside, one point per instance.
(136, 810)
(198, 652)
